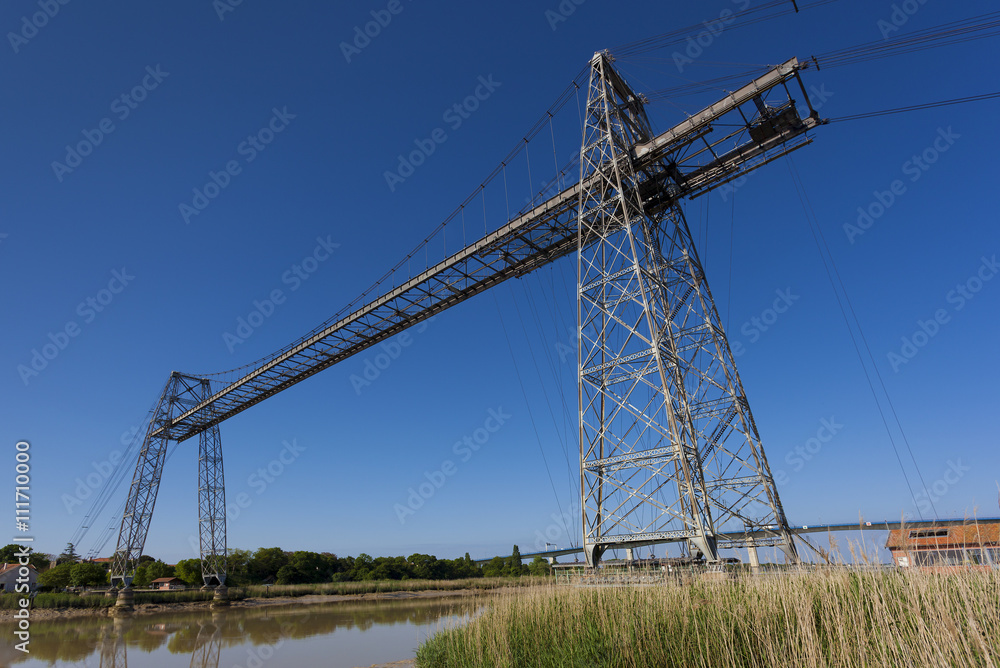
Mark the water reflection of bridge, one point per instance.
(205, 651)
(202, 637)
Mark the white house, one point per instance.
(9, 575)
(168, 583)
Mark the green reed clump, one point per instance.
(98, 600)
(53, 600)
(838, 617)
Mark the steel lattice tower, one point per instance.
(669, 449)
(181, 393)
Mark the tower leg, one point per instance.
(788, 547)
(211, 505)
(142, 494)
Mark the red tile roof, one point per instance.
(6, 567)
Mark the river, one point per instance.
(327, 635)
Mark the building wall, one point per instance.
(947, 557)
(8, 579)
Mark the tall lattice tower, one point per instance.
(181, 393)
(668, 446)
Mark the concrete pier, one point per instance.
(126, 600)
(221, 597)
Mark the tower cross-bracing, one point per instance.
(669, 449)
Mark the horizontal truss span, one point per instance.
(632, 459)
(529, 241)
(654, 536)
(526, 243)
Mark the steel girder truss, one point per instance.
(531, 240)
(668, 446)
(686, 161)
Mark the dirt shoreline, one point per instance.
(310, 599)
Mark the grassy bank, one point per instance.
(834, 618)
(98, 600)
(386, 586)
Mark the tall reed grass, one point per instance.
(837, 617)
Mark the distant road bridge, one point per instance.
(741, 537)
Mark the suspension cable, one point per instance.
(917, 107)
(830, 267)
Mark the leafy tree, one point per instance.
(387, 570)
(394, 568)
(68, 555)
(363, 567)
(305, 567)
(266, 563)
(237, 566)
(514, 566)
(158, 569)
(539, 566)
(495, 567)
(311, 566)
(453, 569)
(147, 571)
(424, 566)
(141, 577)
(88, 575)
(9, 555)
(58, 577)
(189, 570)
(288, 574)
(40, 560)
(470, 569)
(335, 564)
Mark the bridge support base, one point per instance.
(126, 599)
(220, 598)
(593, 554)
(754, 558)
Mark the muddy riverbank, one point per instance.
(311, 599)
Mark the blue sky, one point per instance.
(167, 287)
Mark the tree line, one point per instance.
(273, 565)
